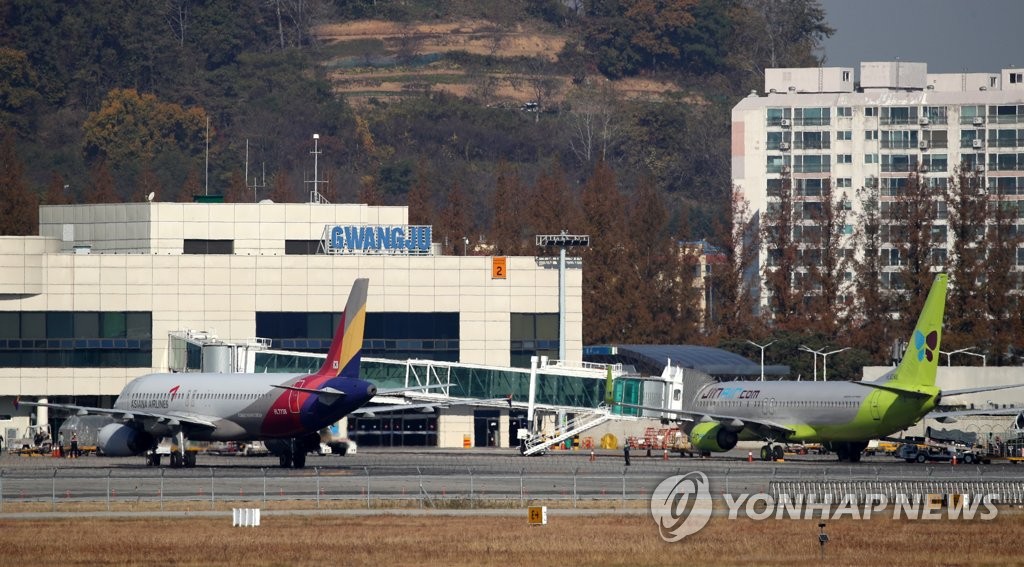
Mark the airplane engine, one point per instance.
(116, 440)
(712, 436)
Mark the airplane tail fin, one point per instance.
(346, 348)
(921, 359)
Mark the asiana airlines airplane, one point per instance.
(842, 415)
(285, 411)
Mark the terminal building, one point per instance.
(110, 292)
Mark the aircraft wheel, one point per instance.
(854, 457)
(190, 459)
(299, 461)
(843, 452)
(778, 453)
(175, 459)
(766, 453)
(285, 460)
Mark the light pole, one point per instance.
(966, 350)
(824, 362)
(762, 347)
(562, 241)
(806, 348)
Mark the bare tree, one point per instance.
(177, 15)
(594, 121)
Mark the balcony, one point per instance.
(1005, 142)
(812, 144)
(897, 120)
(812, 121)
(899, 144)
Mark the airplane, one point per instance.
(285, 411)
(842, 415)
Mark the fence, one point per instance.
(391, 487)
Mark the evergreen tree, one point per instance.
(967, 205)
(421, 193)
(785, 298)
(608, 294)
(732, 303)
(911, 225)
(237, 191)
(455, 223)
(871, 319)
(826, 248)
(507, 221)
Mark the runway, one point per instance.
(438, 478)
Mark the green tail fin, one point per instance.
(921, 359)
(609, 388)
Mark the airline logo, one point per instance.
(174, 391)
(730, 394)
(926, 345)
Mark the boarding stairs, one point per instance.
(539, 442)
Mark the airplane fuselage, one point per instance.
(814, 411)
(242, 406)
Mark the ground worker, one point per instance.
(74, 446)
(625, 452)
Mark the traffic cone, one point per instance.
(954, 460)
(664, 457)
(750, 456)
(592, 457)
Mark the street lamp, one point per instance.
(806, 348)
(762, 347)
(966, 350)
(824, 362)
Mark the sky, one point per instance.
(949, 35)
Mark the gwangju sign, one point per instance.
(377, 239)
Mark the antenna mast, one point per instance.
(315, 196)
(255, 184)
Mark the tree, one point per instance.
(237, 191)
(191, 188)
(827, 254)
(455, 225)
(507, 222)
(130, 125)
(420, 196)
(776, 33)
(101, 187)
(19, 206)
(911, 225)
(369, 191)
(871, 318)
(594, 122)
(607, 295)
(968, 205)
(732, 300)
(56, 191)
(785, 299)
(1002, 283)
(281, 192)
(18, 89)
(146, 184)
(552, 205)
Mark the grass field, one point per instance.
(503, 541)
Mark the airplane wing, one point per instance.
(948, 393)
(170, 418)
(760, 426)
(950, 416)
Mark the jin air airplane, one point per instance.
(842, 415)
(285, 411)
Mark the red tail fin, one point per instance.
(343, 357)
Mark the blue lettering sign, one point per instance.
(379, 238)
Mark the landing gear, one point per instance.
(771, 452)
(848, 451)
(153, 459)
(293, 454)
(181, 457)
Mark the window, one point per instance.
(844, 158)
(870, 111)
(870, 158)
(871, 135)
(65, 339)
(844, 135)
(844, 182)
(532, 334)
(301, 247)
(814, 116)
(197, 246)
(844, 111)
(775, 116)
(1016, 78)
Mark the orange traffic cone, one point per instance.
(592, 457)
(665, 455)
(750, 456)
(954, 460)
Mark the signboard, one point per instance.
(377, 239)
(537, 515)
(499, 269)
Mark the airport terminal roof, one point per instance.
(652, 359)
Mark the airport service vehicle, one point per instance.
(842, 415)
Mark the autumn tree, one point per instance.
(191, 187)
(826, 254)
(281, 188)
(607, 295)
(19, 205)
(870, 326)
(782, 268)
(1003, 309)
(455, 220)
(552, 205)
(732, 301)
(129, 126)
(421, 195)
(767, 34)
(967, 205)
(18, 90)
(56, 191)
(237, 191)
(911, 225)
(507, 220)
(369, 191)
(101, 187)
(147, 183)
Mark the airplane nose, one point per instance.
(371, 391)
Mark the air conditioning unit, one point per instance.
(980, 168)
(979, 121)
(923, 144)
(786, 123)
(923, 121)
(783, 146)
(977, 144)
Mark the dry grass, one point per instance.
(448, 540)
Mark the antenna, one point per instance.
(315, 196)
(255, 185)
(207, 155)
